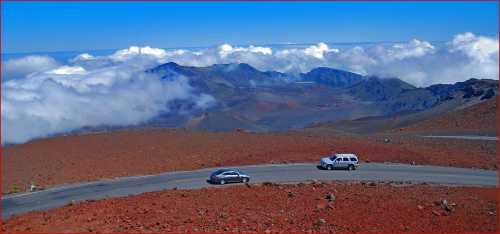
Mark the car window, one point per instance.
(218, 172)
(345, 159)
(333, 158)
(354, 159)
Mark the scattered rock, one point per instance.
(268, 183)
(33, 187)
(267, 231)
(321, 221)
(387, 140)
(330, 197)
(436, 213)
(291, 194)
(420, 207)
(447, 207)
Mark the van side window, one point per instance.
(354, 159)
(345, 159)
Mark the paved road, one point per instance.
(483, 138)
(59, 196)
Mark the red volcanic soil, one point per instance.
(482, 117)
(68, 159)
(354, 207)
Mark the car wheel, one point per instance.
(222, 182)
(351, 168)
(329, 167)
(245, 180)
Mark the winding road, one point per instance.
(119, 187)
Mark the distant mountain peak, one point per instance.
(332, 77)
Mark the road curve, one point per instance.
(119, 187)
(466, 137)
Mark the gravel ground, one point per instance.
(323, 207)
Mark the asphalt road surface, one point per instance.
(483, 138)
(62, 195)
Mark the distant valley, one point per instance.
(254, 100)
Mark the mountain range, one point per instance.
(247, 98)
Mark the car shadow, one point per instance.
(320, 168)
(211, 182)
(334, 169)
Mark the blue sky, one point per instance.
(70, 26)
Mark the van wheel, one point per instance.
(222, 182)
(351, 168)
(329, 167)
(245, 180)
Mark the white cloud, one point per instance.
(83, 57)
(318, 51)
(67, 70)
(483, 49)
(418, 62)
(135, 51)
(70, 97)
(226, 49)
(113, 90)
(414, 48)
(20, 67)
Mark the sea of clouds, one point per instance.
(42, 96)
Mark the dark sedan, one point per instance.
(223, 176)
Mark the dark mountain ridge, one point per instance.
(270, 100)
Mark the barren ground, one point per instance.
(357, 207)
(77, 158)
(479, 118)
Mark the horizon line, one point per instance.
(215, 45)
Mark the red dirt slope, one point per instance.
(355, 207)
(482, 117)
(91, 157)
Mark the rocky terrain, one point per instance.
(266, 208)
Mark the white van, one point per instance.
(340, 161)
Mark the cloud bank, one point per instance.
(41, 97)
(18, 68)
(417, 61)
(70, 97)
